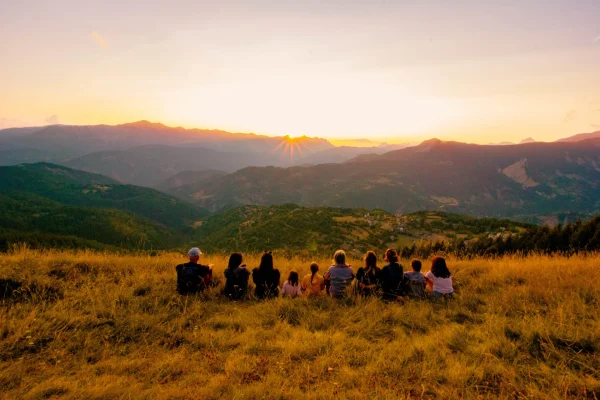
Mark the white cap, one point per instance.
(194, 251)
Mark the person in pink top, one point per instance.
(440, 278)
(291, 288)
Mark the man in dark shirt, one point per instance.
(193, 277)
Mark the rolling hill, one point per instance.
(185, 178)
(40, 222)
(517, 181)
(82, 189)
(322, 230)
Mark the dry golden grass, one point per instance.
(101, 326)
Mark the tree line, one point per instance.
(565, 239)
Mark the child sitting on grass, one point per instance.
(440, 278)
(291, 288)
(415, 280)
(313, 283)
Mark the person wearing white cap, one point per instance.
(193, 277)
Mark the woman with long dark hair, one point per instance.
(236, 277)
(367, 277)
(440, 278)
(266, 278)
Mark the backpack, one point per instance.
(189, 279)
(415, 288)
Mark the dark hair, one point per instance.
(314, 268)
(235, 260)
(439, 268)
(416, 265)
(293, 278)
(370, 262)
(266, 262)
(391, 256)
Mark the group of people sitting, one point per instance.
(390, 282)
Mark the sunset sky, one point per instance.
(478, 71)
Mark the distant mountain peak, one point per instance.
(427, 145)
(145, 124)
(580, 137)
(528, 140)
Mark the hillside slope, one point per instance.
(29, 218)
(82, 189)
(322, 230)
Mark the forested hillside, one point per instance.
(77, 188)
(39, 222)
(322, 230)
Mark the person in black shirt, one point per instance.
(367, 277)
(266, 278)
(392, 277)
(236, 278)
(193, 277)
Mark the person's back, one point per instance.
(367, 277)
(415, 284)
(191, 276)
(415, 280)
(266, 278)
(392, 277)
(441, 278)
(236, 278)
(340, 275)
(313, 283)
(291, 287)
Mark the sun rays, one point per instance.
(289, 148)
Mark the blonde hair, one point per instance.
(340, 257)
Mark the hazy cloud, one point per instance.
(597, 39)
(595, 125)
(570, 116)
(99, 39)
(52, 120)
(6, 123)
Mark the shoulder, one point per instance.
(429, 275)
(360, 271)
(255, 270)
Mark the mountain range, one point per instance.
(146, 154)
(518, 181)
(217, 170)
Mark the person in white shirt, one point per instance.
(439, 277)
(291, 287)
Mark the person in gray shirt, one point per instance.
(340, 275)
(415, 280)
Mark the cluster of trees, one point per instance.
(567, 239)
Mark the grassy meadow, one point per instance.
(87, 325)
